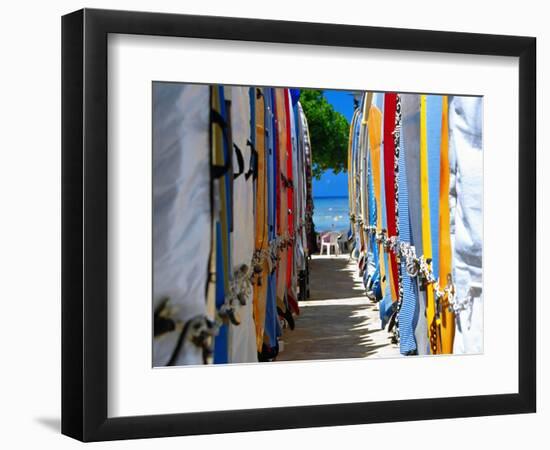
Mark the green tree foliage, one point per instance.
(329, 133)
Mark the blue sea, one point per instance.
(331, 213)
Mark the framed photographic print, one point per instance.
(273, 224)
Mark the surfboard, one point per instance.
(410, 138)
(242, 337)
(282, 204)
(426, 224)
(180, 258)
(447, 319)
(271, 329)
(290, 186)
(433, 128)
(466, 154)
(221, 161)
(261, 218)
(390, 106)
(407, 340)
(375, 140)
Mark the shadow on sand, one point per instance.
(337, 321)
(332, 278)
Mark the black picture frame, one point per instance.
(84, 224)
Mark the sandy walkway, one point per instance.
(338, 321)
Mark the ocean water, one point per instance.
(331, 213)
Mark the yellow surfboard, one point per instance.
(447, 319)
(375, 137)
(426, 226)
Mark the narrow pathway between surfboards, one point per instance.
(337, 321)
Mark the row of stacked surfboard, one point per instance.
(415, 199)
(232, 221)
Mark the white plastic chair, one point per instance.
(329, 240)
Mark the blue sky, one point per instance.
(330, 184)
(342, 101)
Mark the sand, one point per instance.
(338, 320)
